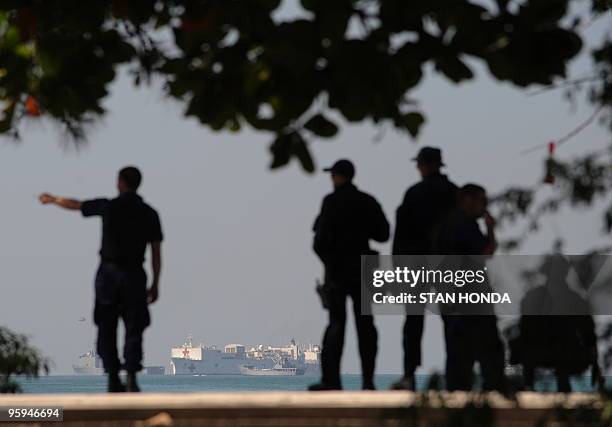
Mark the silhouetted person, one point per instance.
(425, 205)
(471, 338)
(348, 219)
(556, 328)
(128, 226)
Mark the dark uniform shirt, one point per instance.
(128, 224)
(349, 218)
(461, 235)
(425, 205)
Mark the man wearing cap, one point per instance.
(348, 219)
(425, 206)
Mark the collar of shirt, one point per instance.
(435, 175)
(129, 195)
(346, 186)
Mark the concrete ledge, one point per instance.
(296, 409)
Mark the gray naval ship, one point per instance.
(238, 359)
(91, 364)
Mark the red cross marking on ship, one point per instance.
(186, 352)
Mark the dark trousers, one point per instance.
(121, 293)
(412, 332)
(411, 340)
(333, 340)
(471, 339)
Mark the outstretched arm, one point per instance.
(156, 262)
(62, 202)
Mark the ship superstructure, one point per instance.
(88, 364)
(190, 359)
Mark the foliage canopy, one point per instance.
(232, 64)
(236, 64)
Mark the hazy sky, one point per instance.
(238, 265)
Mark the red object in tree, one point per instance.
(32, 108)
(551, 148)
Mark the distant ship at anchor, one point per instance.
(90, 363)
(236, 359)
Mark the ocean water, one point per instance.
(188, 383)
(233, 383)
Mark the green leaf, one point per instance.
(321, 126)
(544, 11)
(269, 4)
(332, 17)
(309, 5)
(411, 122)
(301, 151)
(281, 151)
(6, 121)
(288, 145)
(454, 69)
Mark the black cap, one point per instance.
(343, 168)
(429, 155)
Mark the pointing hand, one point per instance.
(46, 198)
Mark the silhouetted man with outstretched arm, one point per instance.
(128, 226)
(348, 220)
(425, 206)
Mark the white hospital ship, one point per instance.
(238, 359)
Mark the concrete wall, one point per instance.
(303, 409)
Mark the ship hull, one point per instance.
(154, 370)
(311, 369)
(209, 360)
(147, 370)
(214, 367)
(274, 372)
(87, 370)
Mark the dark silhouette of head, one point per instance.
(473, 200)
(129, 180)
(341, 172)
(556, 268)
(429, 161)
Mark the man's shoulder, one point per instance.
(99, 201)
(351, 196)
(367, 197)
(431, 184)
(95, 207)
(131, 203)
(150, 209)
(112, 201)
(416, 190)
(458, 221)
(440, 183)
(330, 197)
(450, 185)
(416, 187)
